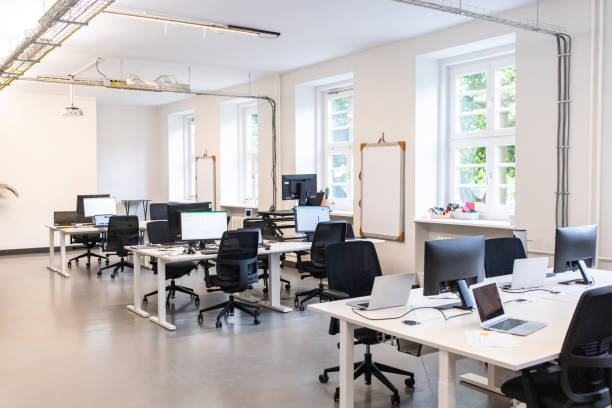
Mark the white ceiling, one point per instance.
(311, 31)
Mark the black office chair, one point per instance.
(351, 269)
(158, 211)
(122, 231)
(326, 233)
(262, 261)
(350, 234)
(89, 242)
(159, 234)
(583, 374)
(500, 254)
(236, 269)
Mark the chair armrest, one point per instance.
(334, 295)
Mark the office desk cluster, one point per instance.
(449, 336)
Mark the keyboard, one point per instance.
(507, 324)
(209, 251)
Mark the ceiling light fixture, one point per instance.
(72, 111)
(62, 20)
(145, 15)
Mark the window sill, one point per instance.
(342, 214)
(468, 223)
(239, 205)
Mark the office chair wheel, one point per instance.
(409, 382)
(323, 378)
(144, 301)
(218, 325)
(395, 399)
(265, 290)
(197, 301)
(337, 394)
(99, 273)
(99, 260)
(200, 319)
(76, 261)
(288, 286)
(88, 264)
(107, 261)
(301, 308)
(256, 322)
(297, 303)
(69, 264)
(250, 287)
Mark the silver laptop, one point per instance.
(527, 273)
(388, 291)
(491, 312)
(102, 220)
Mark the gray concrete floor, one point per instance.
(72, 343)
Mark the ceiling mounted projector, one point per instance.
(72, 111)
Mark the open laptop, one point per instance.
(492, 315)
(102, 220)
(64, 218)
(388, 291)
(527, 273)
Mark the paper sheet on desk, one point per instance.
(490, 339)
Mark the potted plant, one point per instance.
(6, 188)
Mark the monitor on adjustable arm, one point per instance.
(299, 187)
(308, 217)
(202, 225)
(452, 265)
(575, 249)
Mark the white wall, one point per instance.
(49, 158)
(127, 139)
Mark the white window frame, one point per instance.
(329, 148)
(189, 157)
(491, 138)
(247, 156)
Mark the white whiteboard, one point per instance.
(206, 179)
(382, 190)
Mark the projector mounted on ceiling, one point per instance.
(72, 111)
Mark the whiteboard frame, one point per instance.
(402, 212)
(214, 159)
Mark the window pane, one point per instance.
(340, 119)
(338, 192)
(506, 175)
(473, 102)
(340, 104)
(507, 98)
(472, 82)
(507, 119)
(505, 154)
(253, 132)
(472, 122)
(472, 155)
(473, 194)
(507, 76)
(505, 196)
(340, 135)
(472, 175)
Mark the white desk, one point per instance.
(163, 258)
(450, 339)
(63, 232)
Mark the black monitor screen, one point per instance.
(575, 244)
(174, 216)
(299, 187)
(80, 208)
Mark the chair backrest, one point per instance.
(500, 254)
(352, 267)
(158, 211)
(326, 233)
(236, 263)
(350, 233)
(586, 355)
(158, 232)
(122, 231)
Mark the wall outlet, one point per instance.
(248, 212)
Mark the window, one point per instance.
(481, 135)
(337, 147)
(181, 157)
(249, 146)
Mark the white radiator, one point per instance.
(236, 221)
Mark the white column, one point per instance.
(347, 364)
(137, 298)
(447, 397)
(160, 319)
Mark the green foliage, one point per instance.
(473, 122)
(10, 189)
(469, 103)
(507, 119)
(506, 154)
(507, 98)
(472, 82)
(340, 119)
(507, 76)
(473, 155)
(472, 175)
(340, 104)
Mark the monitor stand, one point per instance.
(467, 303)
(586, 277)
(309, 236)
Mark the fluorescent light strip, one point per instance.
(191, 23)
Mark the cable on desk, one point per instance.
(407, 313)
(554, 292)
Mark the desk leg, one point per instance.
(489, 382)
(51, 265)
(137, 299)
(347, 361)
(62, 268)
(160, 319)
(274, 286)
(447, 393)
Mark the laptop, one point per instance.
(102, 220)
(388, 291)
(527, 273)
(64, 218)
(492, 315)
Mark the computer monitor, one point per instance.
(79, 206)
(202, 225)
(174, 218)
(575, 249)
(451, 265)
(99, 205)
(307, 218)
(299, 187)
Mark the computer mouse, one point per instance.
(191, 251)
(410, 322)
(267, 247)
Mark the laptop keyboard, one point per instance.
(364, 305)
(507, 324)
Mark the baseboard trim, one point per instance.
(29, 251)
